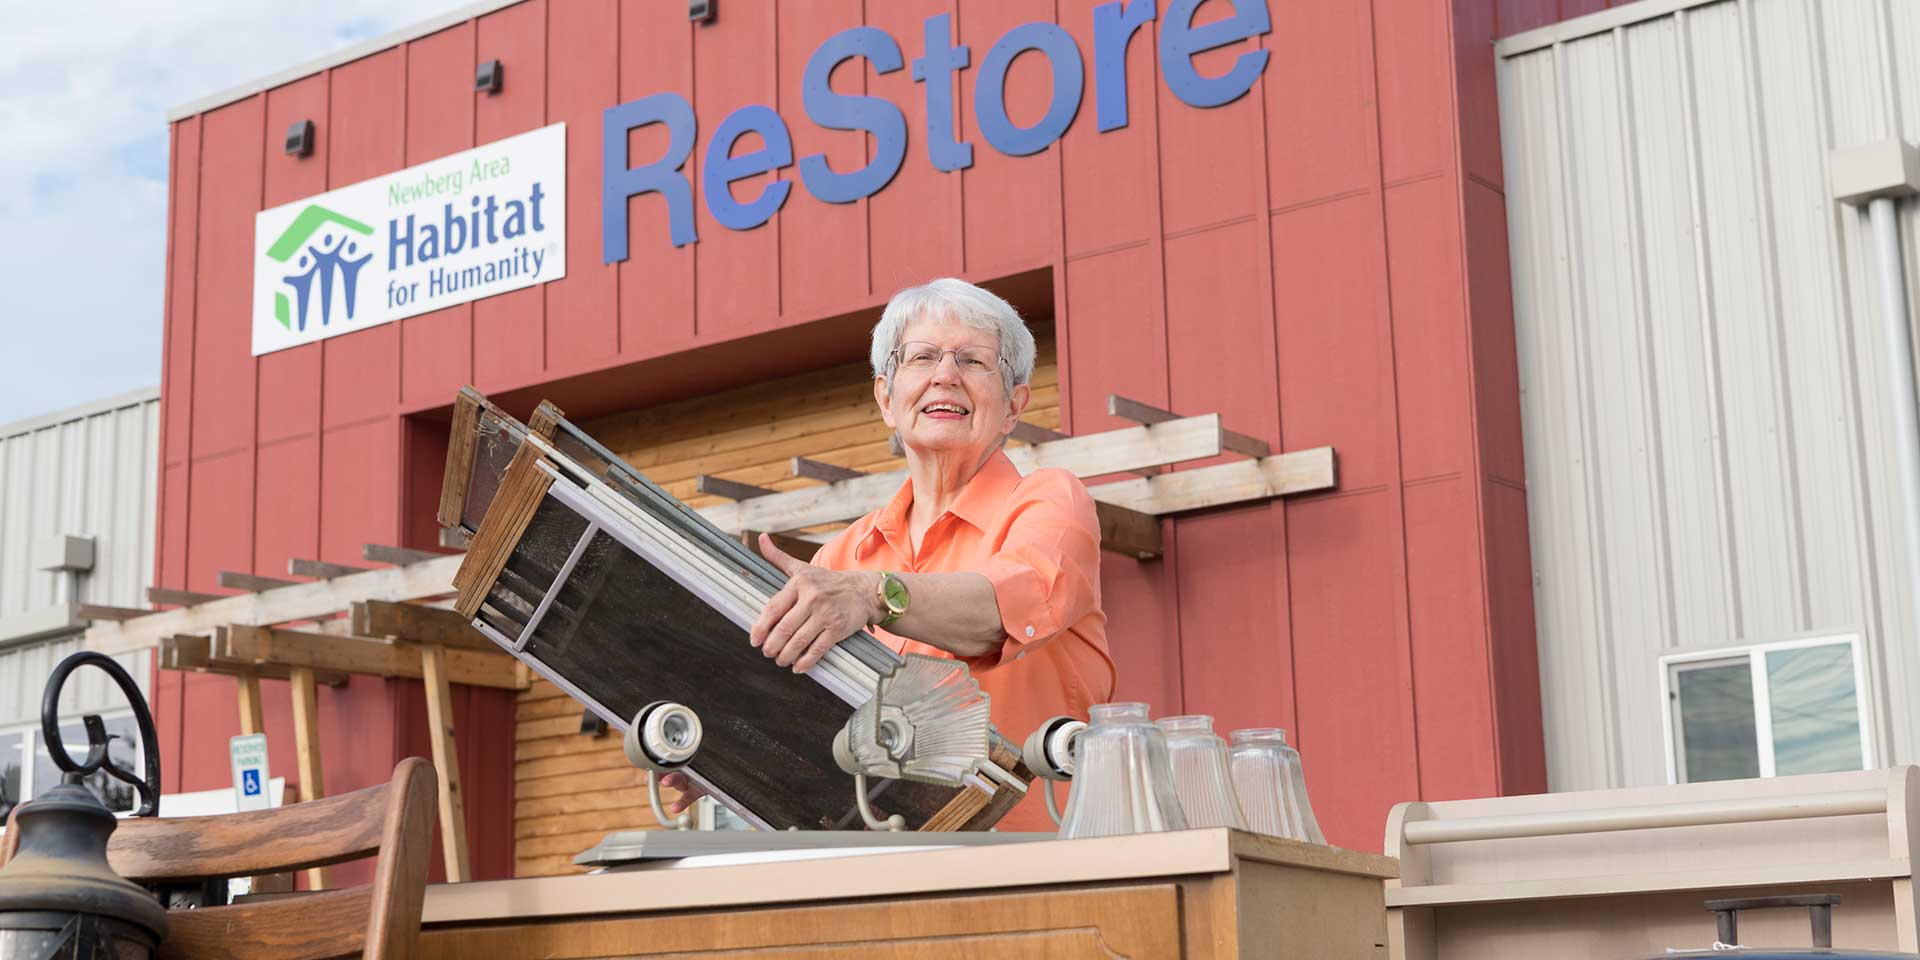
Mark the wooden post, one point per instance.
(250, 719)
(306, 738)
(446, 762)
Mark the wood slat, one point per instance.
(96, 611)
(570, 764)
(729, 489)
(331, 923)
(234, 580)
(1240, 443)
(193, 653)
(398, 556)
(576, 803)
(604, 821)
(418, 624)
(304, 601)
(1302, 471)
(821, 471)
(1190, 438)
(180, 598)
(360, 655)
(519, 495)
(318, 569)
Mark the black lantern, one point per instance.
(59, 900)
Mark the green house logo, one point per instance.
(319, 246)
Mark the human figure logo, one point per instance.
(435, 235)
(319, 246)
(250, 782)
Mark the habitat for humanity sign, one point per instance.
(460, 228)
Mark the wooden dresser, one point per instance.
(1197, 893)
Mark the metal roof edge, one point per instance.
(336, 58)
(80, 412)
(1597, 22)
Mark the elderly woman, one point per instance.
(970, 560)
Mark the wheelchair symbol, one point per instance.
(250, 783)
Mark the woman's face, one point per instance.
(952, 409)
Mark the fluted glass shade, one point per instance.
(1123, 781)
(1271, 785)
(1200, 774)
(928, 722)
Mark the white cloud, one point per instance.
(84, 90)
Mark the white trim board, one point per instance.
(1599, 21)
(344, 55)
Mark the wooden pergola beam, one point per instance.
(100, 611)
(319, 569)
(823, 472)
(306, 601)
(1088, 455)
(180, 598)
(416, 623)
(234, 580)
(1224, 484)
(1128, 532)
(193, 653)
(1033, 433)
(1240, 443)
(360, 656)
(730, 489)
(397, 556)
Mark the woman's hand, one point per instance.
(689, 791)
(815, 610)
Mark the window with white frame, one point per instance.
(27, 770)
(1773, 709)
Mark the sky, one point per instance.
(84, 93)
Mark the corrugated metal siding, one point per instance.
(88, 471)
(1703, 402)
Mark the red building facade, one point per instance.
(1323, 261)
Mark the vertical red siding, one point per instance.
(583, 310)
(509, 331)
(1010, 206)
(657, 279)
(736, 273)
(436, 349)
(921, 207)
(1322, 261)
(823, 246)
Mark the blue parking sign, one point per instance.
(250, 783)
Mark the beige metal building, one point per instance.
(1720, 434)
(76, 526)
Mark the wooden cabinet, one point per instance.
(1198, 893)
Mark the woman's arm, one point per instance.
(818, 608)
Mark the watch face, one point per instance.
(896, 595)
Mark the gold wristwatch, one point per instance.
(893, 596)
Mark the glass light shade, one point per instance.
(1123, 781)
(1271, 785)
(928, 722)
(1200, 775)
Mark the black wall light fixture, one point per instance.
(487, 79)
(701, 10)
(300, 138)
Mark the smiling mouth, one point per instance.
(943, 410)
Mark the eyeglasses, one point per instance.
(921, 356)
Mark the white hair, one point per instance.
(965, 303)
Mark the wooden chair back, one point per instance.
(380, 921)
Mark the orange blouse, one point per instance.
(1037, 539)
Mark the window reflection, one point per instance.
(1816, 715)
(1717, 722)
